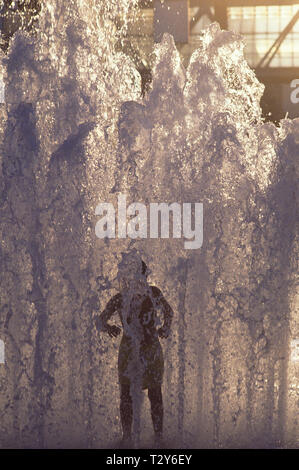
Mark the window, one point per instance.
(261, 26)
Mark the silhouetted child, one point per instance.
(140, 359)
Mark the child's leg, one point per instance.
(155, 397)
(126, 410)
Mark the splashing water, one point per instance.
(75, 132)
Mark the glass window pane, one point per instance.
(261, 26)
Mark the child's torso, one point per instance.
(138, 316)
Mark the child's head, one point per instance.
(131, 269)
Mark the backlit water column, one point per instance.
(228, 361)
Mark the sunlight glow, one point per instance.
(261, 26)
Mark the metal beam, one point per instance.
(203, 9)
(229, 3)
(204, 4)
(267, 59)
(221, 13)
(171, 17)
(254, 3)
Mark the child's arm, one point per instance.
(164, 331)
(101, 320)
